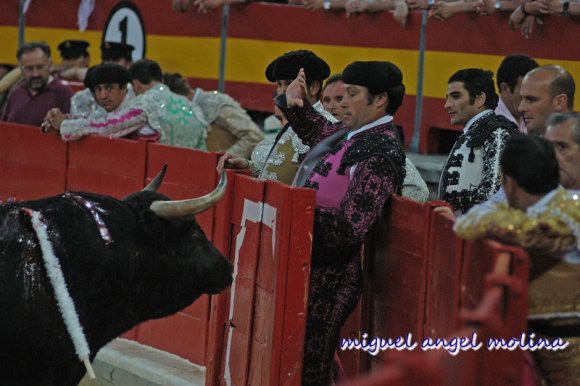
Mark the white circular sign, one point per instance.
(125, 25)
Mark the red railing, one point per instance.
(419, 275)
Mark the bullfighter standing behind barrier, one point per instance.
(353, 182)
(471, 173)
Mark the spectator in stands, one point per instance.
(353, 185)
(529, 13)
(543, 218)
(510, 73)
(83, 103)
(471, 173)
(443, 9)
(230, 127)
(564, 133)
(75, 60)
(29, 101)
(279, 158)
(545, 90)
(332, 95)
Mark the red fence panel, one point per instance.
(443, 277)
(399, 268)
(281, 286)
(115, 167)
(478, 260)
(32, 164)
(219, 304)
(246, 227)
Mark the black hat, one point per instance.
(72, 49)
(107, 73)
(287, 66)
(376, 76)
(112, 51)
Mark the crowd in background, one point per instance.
(524, 14)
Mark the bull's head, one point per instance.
(165, 224)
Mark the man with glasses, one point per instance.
(38, 92)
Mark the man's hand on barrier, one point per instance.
(53, 120)
(231, 161)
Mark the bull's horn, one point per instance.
(156, 182)
(173, 209)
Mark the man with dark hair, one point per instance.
(155, 114)
(75, 59)
(509, 81)
(119, 53)
(230, 127)
(179, 122)
(29, 101)
(564, 133)
(332, 94)
(279, 158)
(471, 173)
(545, 90)
(543, 218)
(353, 180)
(414, 187)
(82, 102)
(108, 85)
(520, 161)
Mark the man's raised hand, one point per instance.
(296, 91)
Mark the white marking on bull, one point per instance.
(65, 302)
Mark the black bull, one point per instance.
(154, 267)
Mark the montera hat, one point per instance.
(287, 66)
(107, 73)
(115, 51)
(72, 49)
(376, 76)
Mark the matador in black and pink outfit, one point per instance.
(364, 166)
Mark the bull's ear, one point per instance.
(153, 229)
(158, 231)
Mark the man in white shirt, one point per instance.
(509, 81)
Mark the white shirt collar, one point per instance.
(475, 118)
(381, 121)
(536, 208)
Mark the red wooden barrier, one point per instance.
(115, 167)
(270, 249)
(445, 251)
(418, 269)
(403, 369)
(246, 227)
(399, 269)
(479, 259)
(32, 164)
